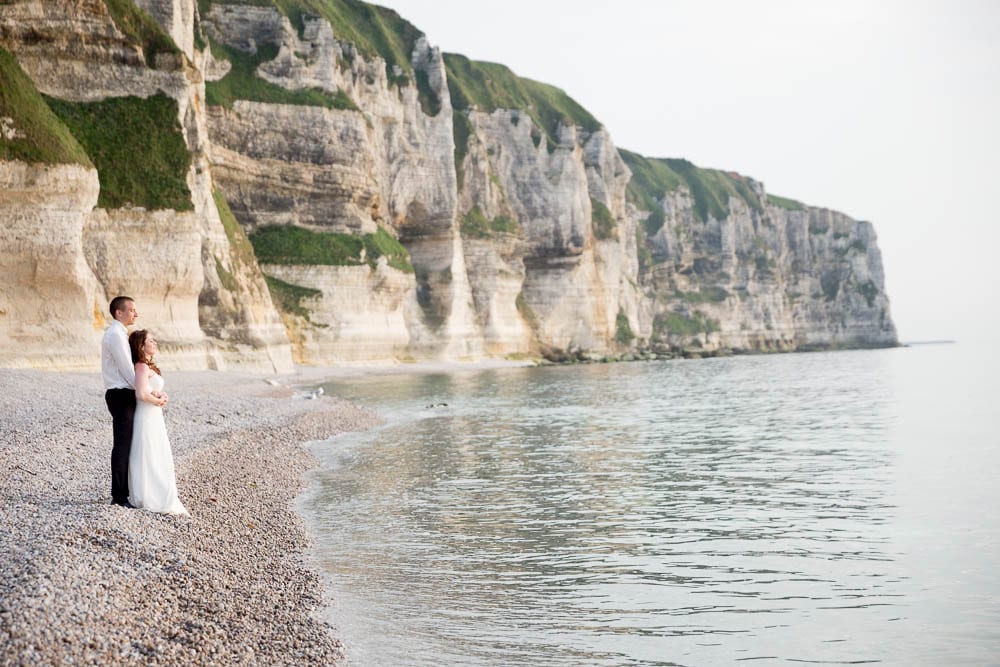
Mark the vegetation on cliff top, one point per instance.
(374, 30)
(242, 83)
(782, 202)
(137, 146)
(141, 28)
(490, 86)
(283, 244)
(29, 131)
(710, 188)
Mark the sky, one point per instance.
(885, 110)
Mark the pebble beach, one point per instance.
(86, 582)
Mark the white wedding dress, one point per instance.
(151, 480)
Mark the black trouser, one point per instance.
(121, 405)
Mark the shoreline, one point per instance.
(84, 581)
(312, 375)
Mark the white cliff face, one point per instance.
(524, 249)
(616, 258)
(169, 261)
(155, 258)
(176, 17)
(74, 51)
(358, 314)
(496, 275)
(773, 279)
(572, 286)
(387, 164)
(296, 165)
(495, 261)
(52, 309)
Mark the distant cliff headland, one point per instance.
(311, 181)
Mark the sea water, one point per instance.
(823, 508)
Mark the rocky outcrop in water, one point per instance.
(401, 204)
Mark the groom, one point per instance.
(119, 392)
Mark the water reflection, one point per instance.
(664, 513)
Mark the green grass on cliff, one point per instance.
(141, 28)
(623, 330)
(461, 130)
(679, 325)
(381, 243)
(137, 146)
(650, 179)
(282, 244)
(788, 204)
(374, 30)
(475, 225)
(240, 250)
(711, 294)
(489, 86)
(29, 131)
(710, 188)
(604, 225)
(288, 297)
(241, 83)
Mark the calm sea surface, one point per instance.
(827, 508)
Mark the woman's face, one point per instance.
(149, 347)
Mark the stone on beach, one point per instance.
(82, 581)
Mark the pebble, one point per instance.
(85, 582)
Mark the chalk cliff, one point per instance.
(345, 191)
(734, 268)
(208, 305)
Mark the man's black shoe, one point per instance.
(123, 503)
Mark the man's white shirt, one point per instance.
(116, 359)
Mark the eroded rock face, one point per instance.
(358, 313)
(296, 165)
(769, 278)
(74, 51)
(177, 18)
(52, 308)
(155, 258)
(571, 281)
(208, 303)
(388, 163)
(525, 247)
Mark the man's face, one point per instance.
(128, 314)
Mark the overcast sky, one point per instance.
(886, 110)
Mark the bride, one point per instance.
(151, 465)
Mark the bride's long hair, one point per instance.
(136, 341)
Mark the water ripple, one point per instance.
(671, 513)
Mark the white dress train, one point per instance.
(151, 481)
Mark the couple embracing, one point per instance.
(142, 466)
